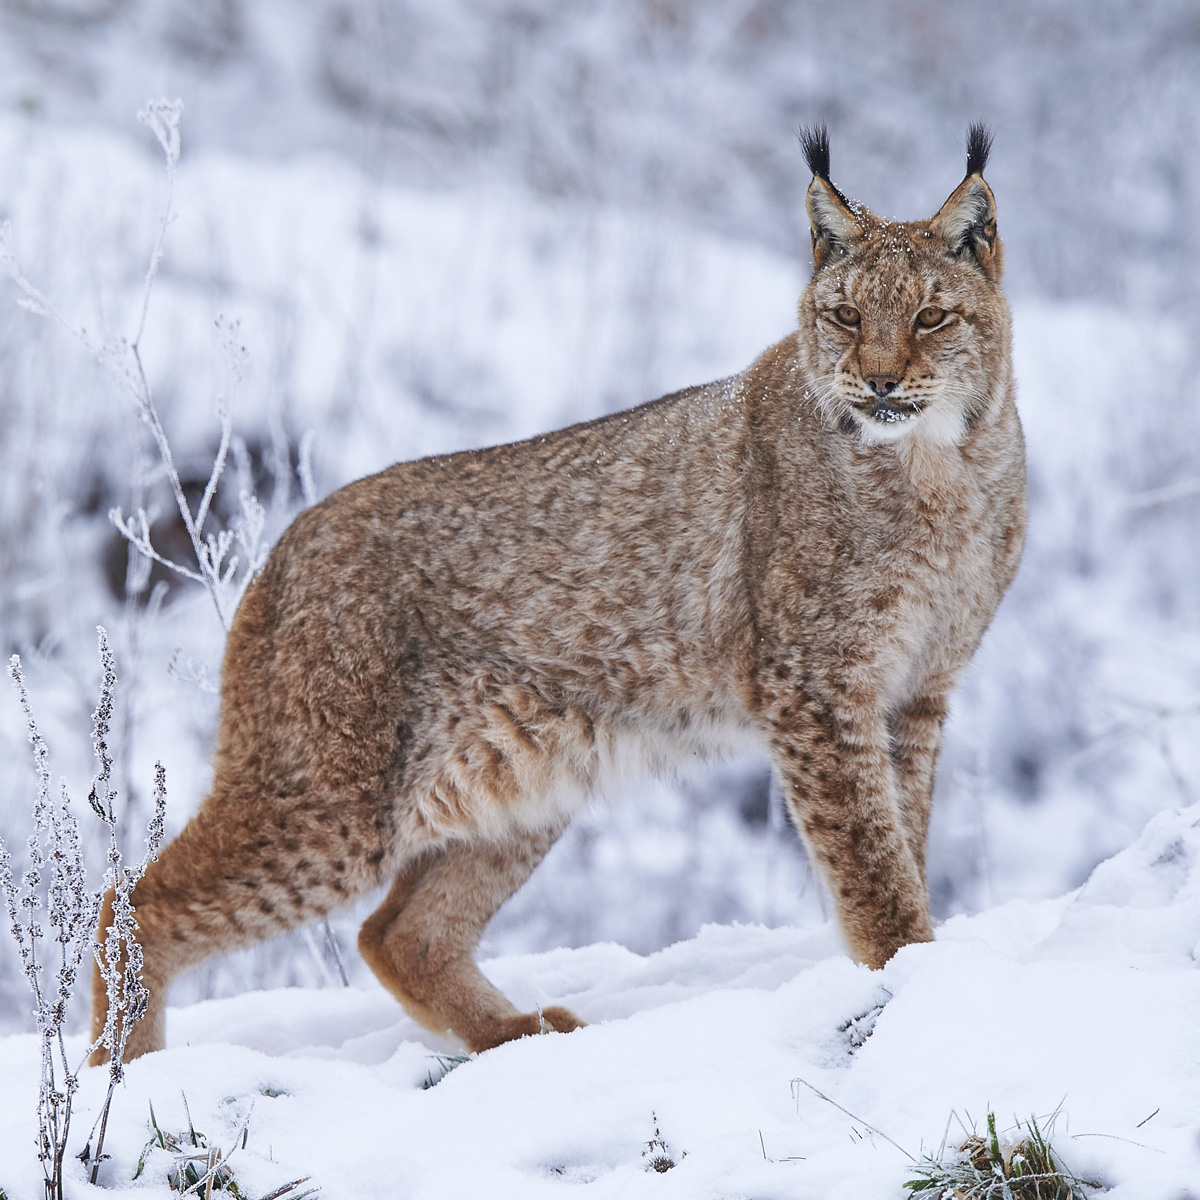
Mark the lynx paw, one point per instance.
(554, 1019)
(558, 1020)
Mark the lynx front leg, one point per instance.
(421, 940)
(916, 736)
(841, 784)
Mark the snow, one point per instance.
(1084, 1005)
(411, 290)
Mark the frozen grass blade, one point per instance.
(445, 1064)
(198, 1167)
(859, 1120)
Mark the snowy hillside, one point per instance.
(432, 224)
(1084, 1005)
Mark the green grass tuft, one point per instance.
(1022, 1167)
(445, 1064)
(200, 1168)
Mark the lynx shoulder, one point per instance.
(439, 662)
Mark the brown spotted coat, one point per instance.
(440, 662)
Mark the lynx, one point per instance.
(439, 663)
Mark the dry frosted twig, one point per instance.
(864, 1124)
(223, 574)
(184, 668)
(119, 959)
(55, 864)
(161, 117)
(55, 882)
(123, 359)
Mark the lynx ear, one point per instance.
(829, 212)
(967, 221)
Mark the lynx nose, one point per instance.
(882, 385)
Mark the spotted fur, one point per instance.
(440, 662)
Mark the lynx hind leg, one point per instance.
(241, 871)
(420, 941)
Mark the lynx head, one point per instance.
(903, 326)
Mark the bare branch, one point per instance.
(137, 530)
(162, 118)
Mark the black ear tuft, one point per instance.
(814, 139)
(979, 146)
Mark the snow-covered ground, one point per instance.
(412, 308)
(1084, 1005)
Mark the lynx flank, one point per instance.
(440, 662)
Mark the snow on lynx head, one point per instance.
(904, 329)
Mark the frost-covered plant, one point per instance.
(223, 574)
(55, 861)
(444, 1064)
(658, 1155)
(55, 881)
(200, 1168)
(1021, 1167)
(119, 958)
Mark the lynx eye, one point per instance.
(927, 318)
(847, 314)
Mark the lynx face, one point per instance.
(904, 322)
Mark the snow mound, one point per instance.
(1085, 1004)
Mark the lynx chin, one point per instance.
(439, 663)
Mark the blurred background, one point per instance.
(446, 223)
